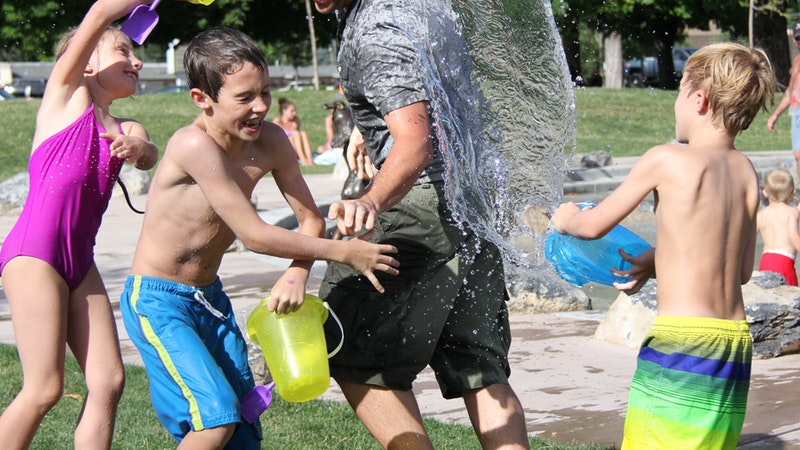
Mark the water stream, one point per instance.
(505, 113)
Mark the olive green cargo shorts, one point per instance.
(446, 309)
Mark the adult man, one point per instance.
(791, 100)
(446, 308)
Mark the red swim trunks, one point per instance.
(779, 263)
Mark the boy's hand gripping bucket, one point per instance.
(294, 347)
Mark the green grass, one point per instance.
(625, 122)
(310, 425)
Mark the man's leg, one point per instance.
(497, 417)
(393, 417)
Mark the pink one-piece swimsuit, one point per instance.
(72, 175)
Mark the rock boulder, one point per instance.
(772, 309)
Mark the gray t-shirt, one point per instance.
(381, 70)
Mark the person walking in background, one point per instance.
(778, 224)
(53, 286)
(690, 387)
(791, 100)
(173, 306)
(290, 123)
(447, 308)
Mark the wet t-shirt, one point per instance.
(381, 69)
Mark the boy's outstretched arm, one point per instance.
(288, 293)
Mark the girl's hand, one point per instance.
(132, 149)
(357, 158)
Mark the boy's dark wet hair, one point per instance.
(217, 52)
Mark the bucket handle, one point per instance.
(341, 329)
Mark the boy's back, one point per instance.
(705, 220)
(706, 201)
(778, 224)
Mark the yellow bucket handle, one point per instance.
(341, 329)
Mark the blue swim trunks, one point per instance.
(194, 355)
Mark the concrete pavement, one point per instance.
(573, 387)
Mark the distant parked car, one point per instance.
(171, 89)
(297, 85)
(21, 87)
(644, 72)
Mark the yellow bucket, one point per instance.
(294, 347)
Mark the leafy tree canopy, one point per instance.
(30, 28)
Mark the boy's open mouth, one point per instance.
(253, 124)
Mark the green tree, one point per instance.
(656, 26)
(30, 28)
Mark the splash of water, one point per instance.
(504, 111)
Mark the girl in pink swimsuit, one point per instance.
(54, 289)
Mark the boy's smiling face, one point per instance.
(242, 103)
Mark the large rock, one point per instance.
(136, 181)
(13, 193)
(545, 294)
(772, 309)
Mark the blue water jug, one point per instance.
(579, 261)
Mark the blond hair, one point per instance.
(737, 81)
(779, 185)
(63, 43)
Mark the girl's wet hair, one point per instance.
(737, 80)
(217, 52)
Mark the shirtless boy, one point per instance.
(690, 386)
(778, 224)
(173, 305)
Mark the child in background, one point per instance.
(53, 287)
(692, 378)
(290, 123)
(778, 225)
(173, 305)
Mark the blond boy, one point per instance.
(778, 224)
(690, 387)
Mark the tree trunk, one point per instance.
(769, 33)
(667, 79)
(313, 34)
(612, 61)
(572, 48)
